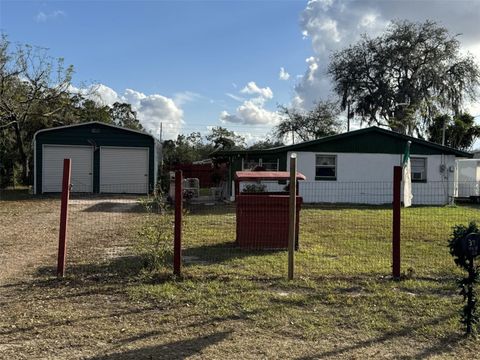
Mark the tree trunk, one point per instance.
(21, 153)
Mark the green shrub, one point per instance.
(156, 203)
(155, 238)
(254, 188)
(155, 242)
(467, 284)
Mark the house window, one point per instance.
(250, 164)
(326, 167)
(268, 165)
(419, 169)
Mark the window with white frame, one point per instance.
(419, 168)
(325, 167)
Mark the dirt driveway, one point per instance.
(42, 317)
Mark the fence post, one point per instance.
(292, 209)
(397, 180)
(62, 238)
(177, 245)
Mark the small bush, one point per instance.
(467, 284)
(155, 204)
(155, 238)
(254, 188)
(155, 243)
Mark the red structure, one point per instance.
(177, 243)
(262, 218)
(62, 238)
(209, 175)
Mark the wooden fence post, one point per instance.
(397, 180)
(177, 245)
(62, 238)
(292, 209)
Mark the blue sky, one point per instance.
(194, 64)
(169, 48)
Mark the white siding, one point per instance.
(82, 167)
(467, 177)
(367, 178)
(123, 170)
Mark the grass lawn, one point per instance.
(343, 290)
(233, 303)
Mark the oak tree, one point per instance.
(405, 77)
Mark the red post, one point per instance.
(177, 244)
(397, 180)
(62, 239)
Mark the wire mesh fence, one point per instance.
(344, 229)
(104, 227)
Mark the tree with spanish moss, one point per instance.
(322, 120)
(405, 77)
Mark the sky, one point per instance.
(191, 65)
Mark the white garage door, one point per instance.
(82, 167)
(123, 170)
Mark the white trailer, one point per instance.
(467, 179)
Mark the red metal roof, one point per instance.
(265, 175)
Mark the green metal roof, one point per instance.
(368, 140)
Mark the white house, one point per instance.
(357, 167)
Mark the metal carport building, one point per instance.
(105, 159)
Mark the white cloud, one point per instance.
(334, 24)
(42, 17)
(252, 111)
(155, 109)
(368, 21)
(184, 97)
(253, 89)
(151, 109)
(283, 75)
(103, 94)
(235, 97)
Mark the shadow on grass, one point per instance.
(104, 278)
(437, 349)
(221, 252)
(345, 206)
(116, 207)
(216, 209)
(173, 350)
(24, 194)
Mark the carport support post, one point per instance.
(177, 245)
(397, 180)
(62, 239)
(292, 214)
